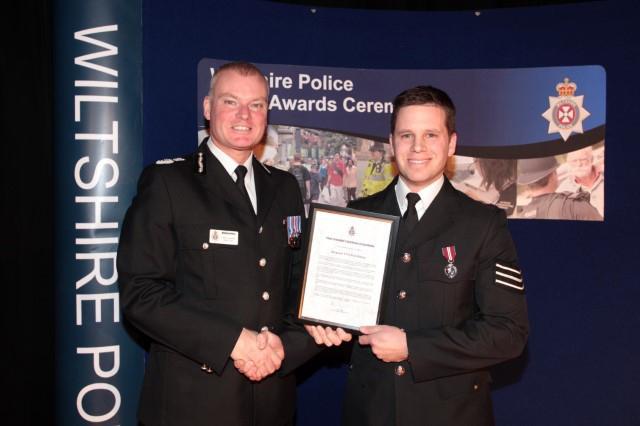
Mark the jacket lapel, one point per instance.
(390, 202)
(265, 189)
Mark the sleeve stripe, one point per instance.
(509, 276)
(510, 285)
(508, 269)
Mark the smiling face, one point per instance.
(421, 144)
(237, 113)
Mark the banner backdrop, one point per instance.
(98, 157)
(530, 140)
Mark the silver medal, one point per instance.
(450, 270)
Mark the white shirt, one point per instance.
(427, 195)
(230, 165)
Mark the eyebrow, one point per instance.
(229, 95)
(411, 131)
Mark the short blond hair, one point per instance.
(241, 67)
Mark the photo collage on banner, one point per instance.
(530, 141)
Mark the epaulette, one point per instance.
(579, 196)
(169, 160)
(265, 167)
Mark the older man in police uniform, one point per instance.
(204, 262)
(455, 304)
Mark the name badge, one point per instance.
(219, 236)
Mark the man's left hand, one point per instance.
(388, 343)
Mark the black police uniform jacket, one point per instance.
(456, 327)
(192, 297)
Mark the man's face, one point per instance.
(377, 155)
(581, 163)
(421, 144)
(237, 113)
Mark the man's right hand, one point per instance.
(257, 355)
(328, 336)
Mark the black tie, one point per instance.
(410, 217)
(241, 172)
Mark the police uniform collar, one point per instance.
(438, 217)
(229, 163)
(427, 195)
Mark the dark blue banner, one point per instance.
(517, 128)
(98, 157)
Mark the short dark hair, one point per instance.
(425, 95)
(241, 67)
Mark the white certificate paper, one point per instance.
(347, 260)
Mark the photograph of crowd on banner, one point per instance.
(331, 168)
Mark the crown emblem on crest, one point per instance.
(566, 87)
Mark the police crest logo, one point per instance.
(566, 113)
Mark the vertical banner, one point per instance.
(98, 157)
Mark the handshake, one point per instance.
(257, 355)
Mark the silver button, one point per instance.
(205, 246)
(204, 367)
(265, 295)
(402, 294)
(400, 370)
(260, 230)
(264, 328)
(475, 387)
(262, 262)
(406, 258)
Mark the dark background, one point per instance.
(582, 363)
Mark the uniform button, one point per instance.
(204, 367)
(406, 258)
(260, 230)
(400, 370)
(402, 294)
(262, 262)
(265, 295)
(205, 246)
(475, 387)
(264, 328)
(209, 370)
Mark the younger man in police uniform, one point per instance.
(455, 303)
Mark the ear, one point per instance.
(206, 107)
(453, 140)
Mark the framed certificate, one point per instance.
(348, 261)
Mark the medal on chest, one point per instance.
(294, 231)
(449, 253)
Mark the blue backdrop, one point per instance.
(581, 365)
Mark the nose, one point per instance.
(243, 111)
(419, 145)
